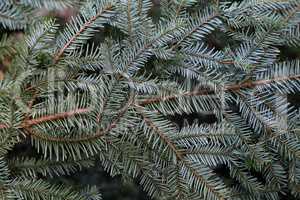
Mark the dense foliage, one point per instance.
(85, 101)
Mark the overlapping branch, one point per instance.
(235, 87)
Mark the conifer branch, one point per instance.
(178, 153)
(81, 30)
(115, 99)
(235, 87)
(192, 31)
(158, 131)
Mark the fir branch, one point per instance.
(235, 87)
(113, 100)
(180, 157)
(81, 30)
(196, 28)
(159, 132)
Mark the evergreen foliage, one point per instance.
(83, 103)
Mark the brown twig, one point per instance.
(98, 134)
(55, 117)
